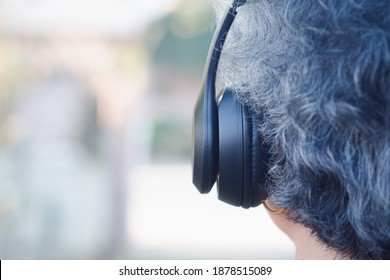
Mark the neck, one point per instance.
(308, 247)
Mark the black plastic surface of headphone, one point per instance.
(205, 127)
(226, 143)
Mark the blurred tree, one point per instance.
(177, 63)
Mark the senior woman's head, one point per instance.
(319, 73)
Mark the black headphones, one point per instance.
(227, 147)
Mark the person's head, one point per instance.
(319, 71)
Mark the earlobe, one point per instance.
(272, 210)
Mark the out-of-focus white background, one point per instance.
(96, 101)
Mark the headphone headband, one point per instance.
(205, 127)
(226, 143)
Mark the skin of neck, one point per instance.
(307, 246)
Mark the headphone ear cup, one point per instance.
(242, 160)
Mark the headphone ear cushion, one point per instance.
(260, 161)
(231, 150)
(255, 162)
(242, 159)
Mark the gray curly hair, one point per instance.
(319, 73)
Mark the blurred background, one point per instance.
(96, 102)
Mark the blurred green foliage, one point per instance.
(170, 140)
(177, 64)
